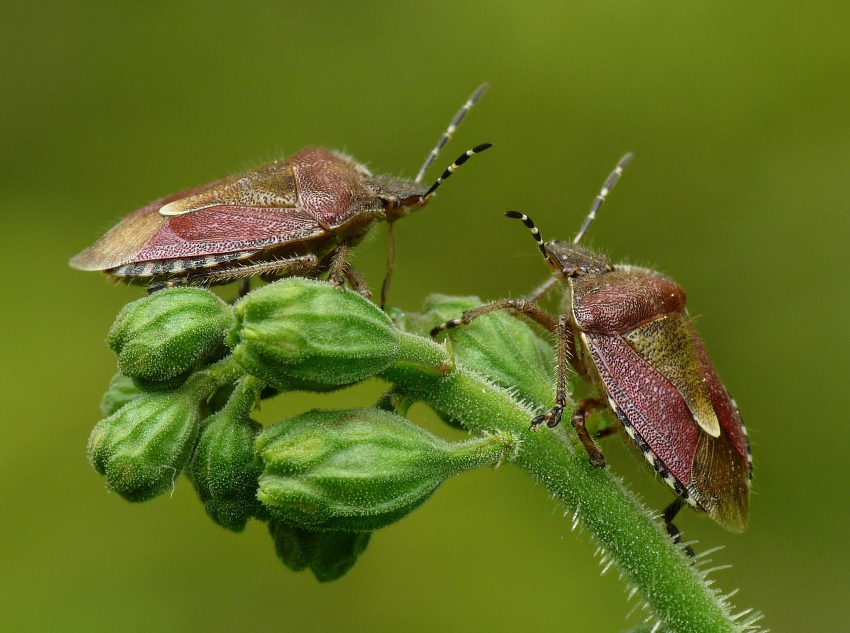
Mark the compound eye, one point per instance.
(569, 271)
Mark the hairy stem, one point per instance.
(673, 589)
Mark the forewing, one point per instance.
(723, 466)
(651, 408)
(228, 229)
(123, 242)
(713, 473)
(270, 185)
(667, 345)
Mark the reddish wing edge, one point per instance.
(227, 229)
(711, 473)
(147, 236)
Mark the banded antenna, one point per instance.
(516, 215)
(460, 116)
(460, 161)
(603, 193)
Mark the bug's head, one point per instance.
(399, 197)
(402, 197)
(405, 196)
(566, 259)
(571, 260)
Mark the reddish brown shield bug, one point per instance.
(626, 331)
(300, 214)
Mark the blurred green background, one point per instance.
(738, 117)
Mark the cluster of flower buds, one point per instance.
(193, 368)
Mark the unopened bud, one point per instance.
(121, 390)
(162, 338)
(329, 555)
(304, 334)
(223, 469)
(144, 445)
(361, 469)
(501, 347)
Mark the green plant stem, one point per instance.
(668, 582)
(224, 372)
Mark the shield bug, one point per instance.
(625, 330)
(300, 214)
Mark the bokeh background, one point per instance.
(738, 117)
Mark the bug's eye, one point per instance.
(569, 271)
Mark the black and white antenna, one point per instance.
(460, 116)
(603, 193)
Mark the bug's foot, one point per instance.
(676, 535)
(338, 281)
(552, 418)
(597, 459)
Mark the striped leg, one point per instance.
(232, 272)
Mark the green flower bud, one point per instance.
(143, 446)
(223, 469)
(328, 554)
(359, 470)
(121, 390)
(162, 338)
(303, 334)
(502, 348)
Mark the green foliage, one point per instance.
(326, 479)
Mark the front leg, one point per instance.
(518, 307)
(341, 270)
(565, 346)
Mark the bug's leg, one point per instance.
(177, 282)
(542, 289)
(356, 280)
(553, 417)
(271, 267)
(244, 287)
(517, 306)
(336, 271)
(669, 514)
(585, 409)
(340, 271)
(385, 289)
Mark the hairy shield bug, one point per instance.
(625, 330)
(300, 214)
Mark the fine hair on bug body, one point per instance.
(298, 215)
(625, 330)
